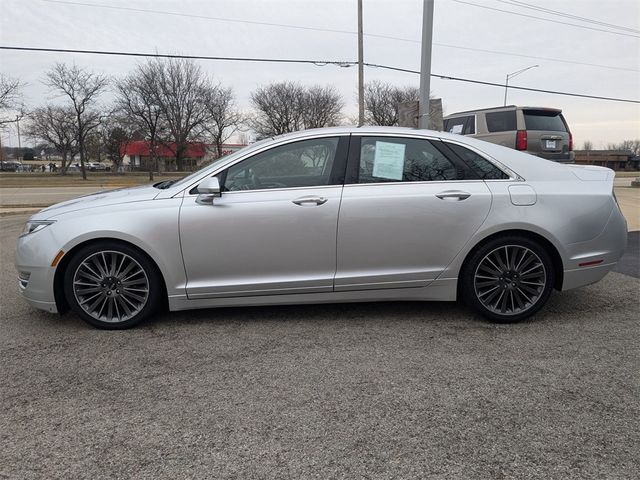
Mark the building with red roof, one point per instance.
(137, 154)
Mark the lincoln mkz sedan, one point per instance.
(330, 215)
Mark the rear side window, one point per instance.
(391, 159)
(461, 125)
(544, 120)
(482, 167)
(501, 121)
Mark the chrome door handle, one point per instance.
(309, 200)
(455, 195)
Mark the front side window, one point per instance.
(390, 159)
(301, 164)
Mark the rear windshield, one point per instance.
(544, 120)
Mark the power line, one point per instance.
(546, 19)
(329, 30)
(501, 85)
(529, 6)
(190, 15)
(549, 59)
(318, 63)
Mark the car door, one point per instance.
(273, 229)
(408, 207)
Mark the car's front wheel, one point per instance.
(508, 279)
(112, 285)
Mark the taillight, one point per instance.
(570, 142)
(521, 140)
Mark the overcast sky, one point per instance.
(458, 27)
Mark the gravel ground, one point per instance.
(389, 390)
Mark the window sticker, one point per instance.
(456, 129)
(389, 160)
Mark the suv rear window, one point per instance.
(544, 120)
(501, 121)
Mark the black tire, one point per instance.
(508, 279)
(112, 285)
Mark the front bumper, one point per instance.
(34, 255)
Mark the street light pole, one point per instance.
(511, 75)
(425, 64)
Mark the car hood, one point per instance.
(100, 199)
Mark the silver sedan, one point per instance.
(330, 215)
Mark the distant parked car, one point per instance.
(96, 167)
(9, 165)
(330, 215)
(539, 131)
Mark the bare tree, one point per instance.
(223, 118)
(288, 106)
(56, 126)
(180, 94)
(626, 145)
(381, 101)
(321, 107)
(10, 92)
(82, 88)
(137, 98)
(116, 131)
(278, 109)
(10, 99)
(587, 145)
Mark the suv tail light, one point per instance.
(521, 140)
(570, 142)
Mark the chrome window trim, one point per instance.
(422, 182)
(262, 190)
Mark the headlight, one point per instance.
(33, 226)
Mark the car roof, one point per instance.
(504, 107)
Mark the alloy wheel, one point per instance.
(510, 280)
(111, 286)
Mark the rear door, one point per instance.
(407, 209)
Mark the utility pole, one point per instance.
(425, 63)
(360, 68)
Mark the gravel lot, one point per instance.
(390, 390)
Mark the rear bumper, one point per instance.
(564, 157)
(607, 249)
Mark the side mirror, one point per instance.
(208, 189)
(210, 186)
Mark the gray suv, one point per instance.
(539, 131)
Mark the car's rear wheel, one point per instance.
(508, 279)
(112, 285)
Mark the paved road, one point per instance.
(390, 390)
(16, 196)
